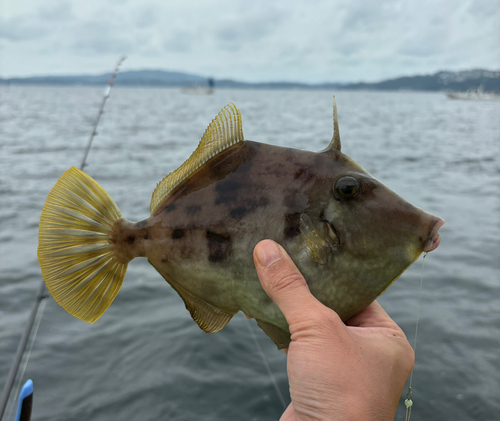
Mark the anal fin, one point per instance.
(209, 318)
(281, 338)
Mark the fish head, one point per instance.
(376, 233)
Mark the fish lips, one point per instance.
(433, 239)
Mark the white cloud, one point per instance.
(321, 40)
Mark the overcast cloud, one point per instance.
(314, 41)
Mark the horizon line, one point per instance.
(106, 74)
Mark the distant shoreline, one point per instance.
(179, 88)
(488, 80)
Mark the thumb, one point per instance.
(284, 283)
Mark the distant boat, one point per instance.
(200, 90)
(474, 95)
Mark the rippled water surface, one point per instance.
(146, 359)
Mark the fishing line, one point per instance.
(29, 334)
(266, 364)
(408, 400)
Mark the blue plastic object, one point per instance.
(25, 402)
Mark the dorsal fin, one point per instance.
(335, 142)
(224, 131)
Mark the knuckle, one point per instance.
(326, 318)
(332, 321)
(332, 317)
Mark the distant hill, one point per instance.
(441, 81)
(127, 78)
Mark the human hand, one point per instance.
(352, 371)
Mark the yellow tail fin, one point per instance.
(74, 247)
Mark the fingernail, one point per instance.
(268, 253)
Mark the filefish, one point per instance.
(349, 234)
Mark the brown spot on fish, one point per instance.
(218, 238)
(177, 233)
(219, 246)
(299, 173)
(130, 239)
(292, 225)
(227, 191)
(250, 206)
(170, 208)
(304, 174)
(193, 209)
(239, 213)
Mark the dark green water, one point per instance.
(145, 359)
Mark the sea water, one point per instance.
(145, 359)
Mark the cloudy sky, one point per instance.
(251, 40)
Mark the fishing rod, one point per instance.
(42, 295)
(101, 110)
(25, 402)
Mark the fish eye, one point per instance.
(346, 188)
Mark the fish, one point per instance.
(349, 235)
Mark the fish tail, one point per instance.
(75, 248)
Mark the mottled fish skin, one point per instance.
(204, 235)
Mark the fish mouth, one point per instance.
(434, 239)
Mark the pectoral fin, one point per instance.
(318, 248)
(281, 338)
